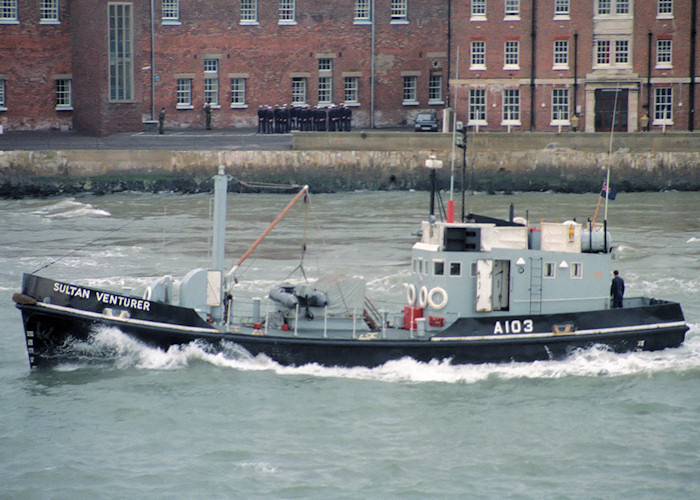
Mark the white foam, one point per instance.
(69, 209)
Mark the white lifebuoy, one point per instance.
(422, 297)
(411, 294)
(443, 298)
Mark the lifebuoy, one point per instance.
(422, 297)
(411, 294)
(147, 294)
(431, 298)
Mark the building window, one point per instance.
(249, 11)
(604, 7)
(435, 90)
(211, 91)
(560, 106)
(3, 101)
(561, 54)
(561, 8)
(171, 11)
(664, 9)
(576, 270)
(478, 9)
(610, 7)
(602, 51)
(8, 11)
(622, 55)
(410, 90)
(63, 94)
(512, 9)
(362, 11)
(352, 95)
(512, 55)
(121, 75)
(477, 106)
(184, 93)
(238, 93)
(663, 100)
(325, 64)
(325, 89)
(663, 53)
(211, 65)
(399, 11)
(622, 6)
(299, 90)
(49, 11)
(478, 55)
(511, 106)
(287, 12)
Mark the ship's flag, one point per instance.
(608, 192)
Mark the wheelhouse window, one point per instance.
(410, 90)
(478, 55)
(549, 270)
(63, 94)
(399, 11)
(576, 270)
(455, 268)
(120, 45)
(49, 11)
(249, 11)
(477, 106)
(171, 11)
(438, 268)
(184, 93)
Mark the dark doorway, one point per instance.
(605, 105)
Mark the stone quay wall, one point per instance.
(496, 162)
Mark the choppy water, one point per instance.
(188, 424)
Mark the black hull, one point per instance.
(49, 331)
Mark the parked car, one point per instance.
(426, 121)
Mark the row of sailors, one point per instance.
(281, 119)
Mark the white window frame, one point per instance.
(211, 91)
(612, 53)
(238, 97)
(325, 64)
(511, 54)
(121, 59)
(549, 270)
(49, 10)
(511, 107)
(664, 9)
(363, 12)
(325, 89)
(664, 53)
(435, 90)
(477, 107)
(622, 52)
(64, 94)
(298, 90)
(477, 53)
(410, 90)
(561, 106)
(8, 12)
(3, 94)
(663, 106)
(603, 7)
(287, 12)
(249, 12)
(560, 56)
(170, 12)
(439, 265)
(211, 65)
(478, 10)
(184, 93)
(603, 53)
(352, 90)
(613, 9)
(562, 9)
(455, 269)
(399, 11)
(511, 10)
(623, 7)
(576, 270)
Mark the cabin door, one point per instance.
(501, 285)
(484, 285)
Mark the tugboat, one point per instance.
(481, 290)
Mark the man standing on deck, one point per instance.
(617, 289)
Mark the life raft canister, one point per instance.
(442, 298)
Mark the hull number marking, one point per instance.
(513, 326)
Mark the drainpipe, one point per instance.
(371, 73)
(575, 69)
(649, 75)
(449, 50)
(533, 31)
(693, 56)
(153, 63)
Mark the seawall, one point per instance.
(496, 162)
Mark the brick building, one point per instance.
(103, 66)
